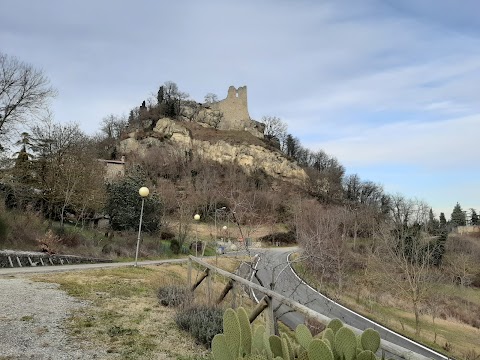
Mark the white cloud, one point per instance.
(428, 145)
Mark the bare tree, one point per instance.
(322, 233)
(211, 98)
(274, 128)
(406, 253)
(24, 92)
(113, 126)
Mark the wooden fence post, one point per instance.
(270, 321)
(189, 273)
(234, 295)
(262, 305)
(199, 281)
(209, 288)
(225, 291)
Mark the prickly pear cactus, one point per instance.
(335, 325)
(319, 350)
(257, 340)
(220, 348)
(346, 343)
(245, 330)
(254, 357)
(289, 345)
(275, 345)
(231, 330)
(329, 335)
(370, 340)
(303, 335)
(366, 355)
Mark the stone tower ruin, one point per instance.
(234, 110)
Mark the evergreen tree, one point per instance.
(124, 204)
(161, 95)
(443, 220)
(458, 216)
(432, 225)
(474, 217)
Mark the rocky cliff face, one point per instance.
(249, 157)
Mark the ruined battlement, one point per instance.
(234, 111)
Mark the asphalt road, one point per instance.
(273, 268)
(76, 267)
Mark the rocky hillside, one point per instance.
(224, 146)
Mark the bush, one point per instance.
(124, 204)
(3, 230)
(166, 235)
(283, 238)
(203, 322)
(174, 295)
(175, 246)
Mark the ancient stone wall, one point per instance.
(234, 110)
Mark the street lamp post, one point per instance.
(143, 193)
(221, 209)
(196, 217)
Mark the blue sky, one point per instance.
(391, 88)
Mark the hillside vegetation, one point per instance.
(383, 249)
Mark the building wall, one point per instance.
(468, 229)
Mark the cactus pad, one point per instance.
(346, 343)
(370, 340)
(335, 325)
(366, 355)
(303, 335)
(319, 350)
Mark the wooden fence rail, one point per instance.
(269, 295)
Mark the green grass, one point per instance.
(461, 338)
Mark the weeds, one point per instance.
(202, 321)
(174, 295)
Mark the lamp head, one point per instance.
(196, 217)
(144, 191)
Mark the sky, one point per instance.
(390, 88)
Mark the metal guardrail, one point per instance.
(385, 345)
(13, 259)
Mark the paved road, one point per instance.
(274, 262)
(77, 267)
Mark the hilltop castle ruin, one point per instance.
(232, 112)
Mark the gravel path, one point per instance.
(32, 317)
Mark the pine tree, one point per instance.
(458, 216)
(432, 225)
(474, 217)
(443, 220)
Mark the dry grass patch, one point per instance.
(124, 317)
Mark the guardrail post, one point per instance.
(225, 291)
(270, 321)
(10, 261)
(262, 305)
(234, 295)
(189, 273)
(209, 288)
(199, 281)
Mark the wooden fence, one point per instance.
(265, 304)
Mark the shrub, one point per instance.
(202, 321)
(175, 246)
(166, 235)
(3, 230)
(284, 238)
(174, 295)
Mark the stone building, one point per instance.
(233, 111)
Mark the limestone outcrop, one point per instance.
(249, 157)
